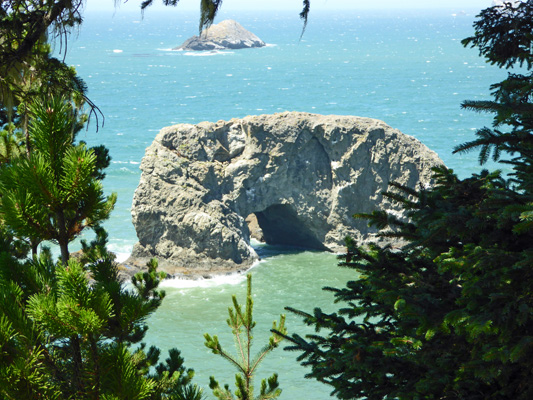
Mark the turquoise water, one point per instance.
(407, 69)
(288, 278)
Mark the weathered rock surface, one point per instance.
(227, 34)
(302, 175)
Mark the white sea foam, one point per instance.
(230, 279)
(208, 53)
(121, 257)
(121, 248)
(117, 51)
(124, 169)
(180, 283)
(183, 283)
(125, 162)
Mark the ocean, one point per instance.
(406, 68)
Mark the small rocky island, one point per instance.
(302, 176)
(228, 34)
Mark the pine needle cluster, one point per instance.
(242, 324)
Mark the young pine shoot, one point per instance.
(242, 324)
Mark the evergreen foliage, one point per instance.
(450, 313)
(27, 68)
(68, 328)
(54, 193)
(67, 331)
(71, 329)
(242, 324)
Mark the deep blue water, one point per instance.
(407, 69)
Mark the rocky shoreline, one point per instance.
(209, 269)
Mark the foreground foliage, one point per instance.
(70, 329)
(64, 335)
(450, 314)
(242, 325)
(54, 192)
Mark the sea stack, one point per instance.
(302, 175)
(228, 34)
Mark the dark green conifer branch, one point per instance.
(448, 315)
(53, 193)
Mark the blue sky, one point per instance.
(296, 5)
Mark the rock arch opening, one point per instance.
(280, 224)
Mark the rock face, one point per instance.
(302, 175)
(228, 34)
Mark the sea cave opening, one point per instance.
(279, 224)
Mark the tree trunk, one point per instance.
(64, 251)
(34, 247)
(62, 238)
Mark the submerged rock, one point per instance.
(228, 34)
(302, 175)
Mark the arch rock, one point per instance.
(302, 175)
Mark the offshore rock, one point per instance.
(228, 34)
(302, 175)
